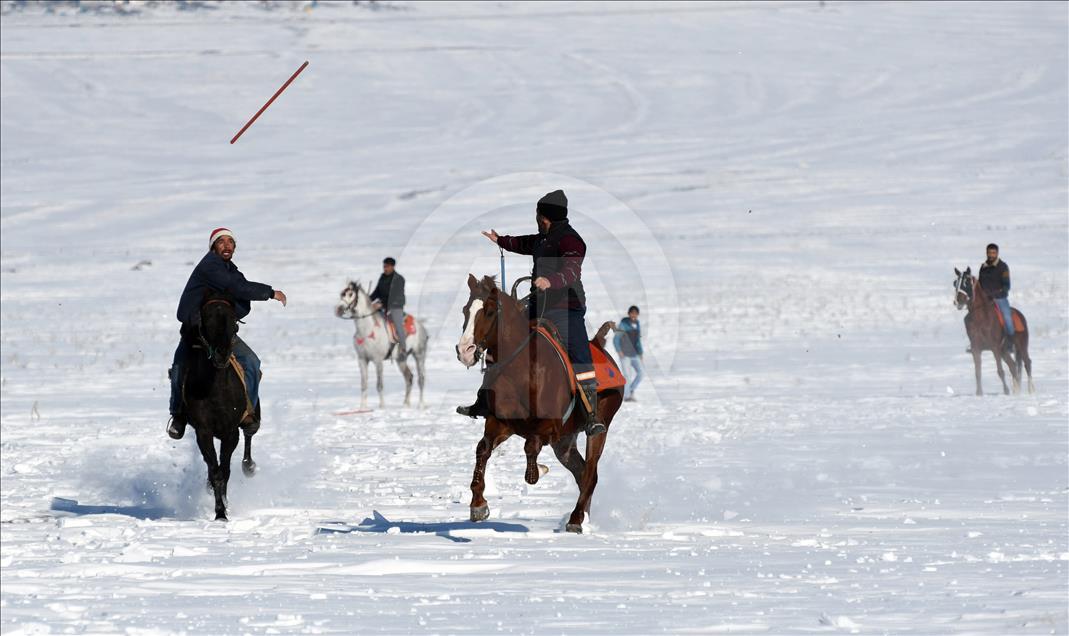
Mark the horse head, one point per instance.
(353, 302)
(479, 332)
(963, 288)
(218, 327)
(346, 307)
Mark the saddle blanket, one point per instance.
(606, 372)
(1018, 325)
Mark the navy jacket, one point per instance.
(390, 291)
(995, 279)
(558, 256)
(212, 272)
(628, 339)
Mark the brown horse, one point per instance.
(985, 331)
(529, 394)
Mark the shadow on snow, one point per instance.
(142, 512)
(379, 524)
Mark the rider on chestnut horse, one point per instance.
(994, 278)
(556, 295)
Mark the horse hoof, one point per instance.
(577, 528)
(248, 467)
(219, 516)
(480, 513)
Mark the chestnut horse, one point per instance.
(986, 332)
(529, 394)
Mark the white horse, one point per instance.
(372, 343)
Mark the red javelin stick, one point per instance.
(273, 97)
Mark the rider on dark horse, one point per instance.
(994, 279)
(556, 295)
(216, 272)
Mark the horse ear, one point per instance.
(968, 270)
(473, 283)
(957, 272)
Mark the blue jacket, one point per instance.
(212, 272)
(628, 340)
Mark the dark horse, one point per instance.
(214, 395)
(986, 332)
(530, 395)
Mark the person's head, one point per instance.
(222, 243)
(550, 209)
(388, 264)
(992, 253)
(632, 312)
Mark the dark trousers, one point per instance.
(571, 323)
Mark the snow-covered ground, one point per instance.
(784, 189)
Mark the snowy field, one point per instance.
(784, 189)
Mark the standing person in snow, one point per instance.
(995, 280)
(557, 294)
(216, 272)
(628, 343)
(389, 297)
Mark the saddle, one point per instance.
(410, 327)
(606, 373)
(1018, 325)
(240, 371)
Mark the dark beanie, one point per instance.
(554, 206)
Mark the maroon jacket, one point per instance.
(558, 256)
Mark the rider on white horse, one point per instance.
(389, 297)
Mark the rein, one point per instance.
(208, 348)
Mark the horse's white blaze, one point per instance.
(466, 346)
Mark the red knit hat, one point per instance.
(217, 234)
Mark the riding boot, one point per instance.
(176, 427)
(1009, 345)
(481, 408)
(594, 425)
(251, 424)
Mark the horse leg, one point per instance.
(407, 374)
(494, 433)
(976, 363)
(378, 383)
(248, 466)
(534, 471)
(421, 359)
(363, 361)
(569, 457)
(594, 447)
(207, 450)
(226, 450)
(1022, 356)
(1015, 372)
(1001, 374)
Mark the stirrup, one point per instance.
(593, 426)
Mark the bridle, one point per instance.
(207, 346)
(350, 307)
(963, 290)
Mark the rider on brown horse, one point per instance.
(994, 279)
(556, 295)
